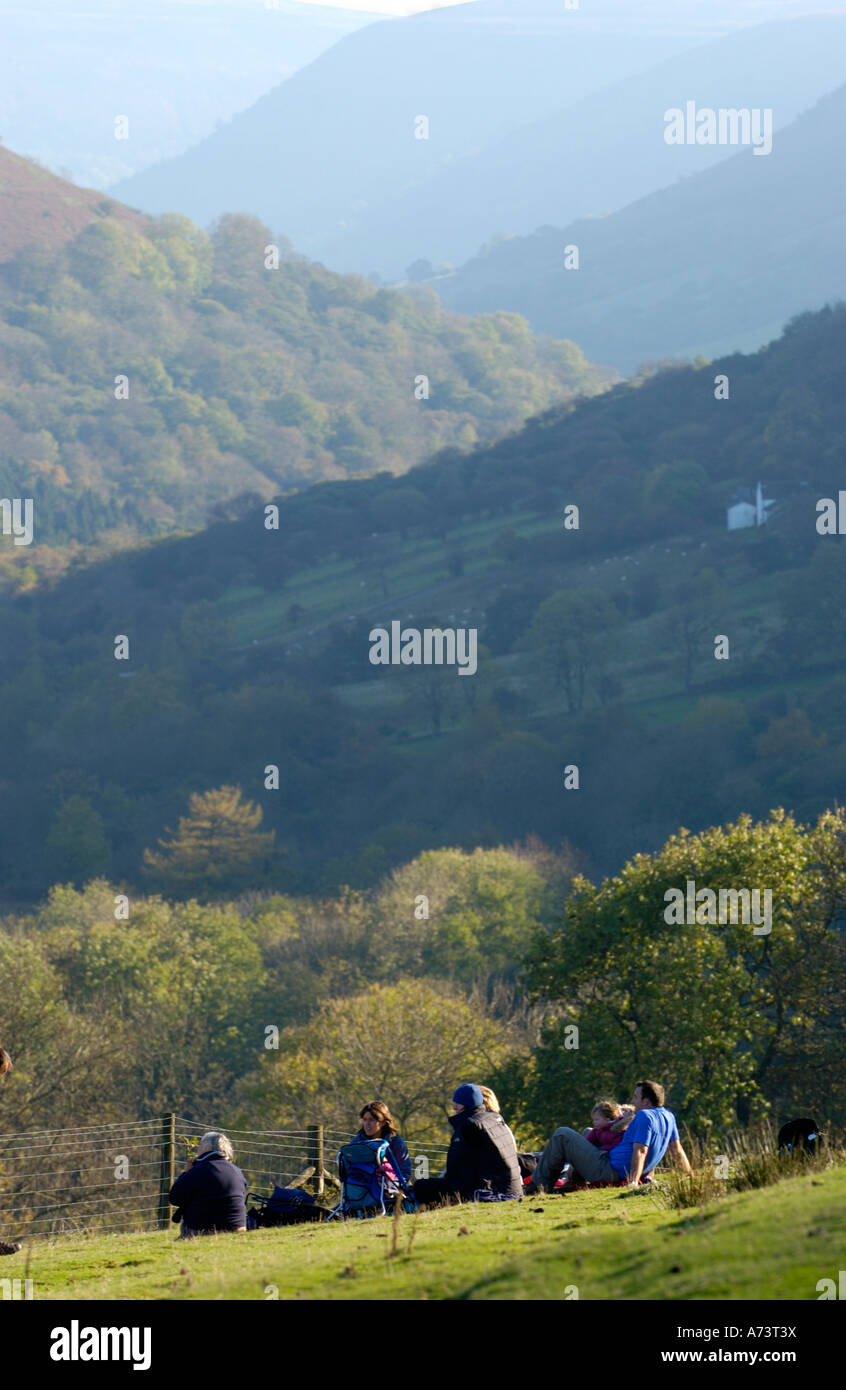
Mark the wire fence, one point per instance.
(116, 1177)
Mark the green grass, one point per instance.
(642, 655)
(775, 1243)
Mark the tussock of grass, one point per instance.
(748, 1159)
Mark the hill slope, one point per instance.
(150, 374)
(251, 646)
(337, 138)
(37, 208)
(708, 265)
(751, 1246)
(593, 156)
(175, 68)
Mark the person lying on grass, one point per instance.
(211, 1193)
(651, 1134)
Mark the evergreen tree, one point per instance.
(217, 844)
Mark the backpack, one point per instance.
(799, 1136)
(367, 1178)
(286, 1206)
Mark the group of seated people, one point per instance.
(624, 1145)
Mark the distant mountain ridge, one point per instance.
(594, 156)
(327, 156)
(713, 263)
(338, 136)
(174, 68)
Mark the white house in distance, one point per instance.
(749, 507)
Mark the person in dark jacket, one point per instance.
(377, 1123)
(211, 1193)
(482, 1156)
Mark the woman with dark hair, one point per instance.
(7, 1247)
(376, 1123)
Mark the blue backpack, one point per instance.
(368, 1174)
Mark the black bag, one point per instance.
(528, 1163)
(286, 1206)
(799, 1136)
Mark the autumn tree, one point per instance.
(218, 844)
(409, 1044)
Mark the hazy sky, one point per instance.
(385, 6)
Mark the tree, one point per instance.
(689, 623)
(218, 844)
(188, 984)
(567, 632)
(483, 911)
(409, 1044)
(398, 508)
(676, 489)
(420, 269)
(66, 1065)
(433, 690)
(77, 845)
(723, 1016)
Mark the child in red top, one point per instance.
(609, 1121)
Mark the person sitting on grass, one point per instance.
(7, 1247)
(211, 1193)
(652, 1133)
(526, 1162)
(481, 1159)
(377, 1123)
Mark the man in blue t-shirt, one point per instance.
(652, 1133)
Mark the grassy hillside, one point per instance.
(774, 1244)
(150, 374)
(681, 272)
(250, 645)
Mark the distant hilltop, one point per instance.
(37, 207)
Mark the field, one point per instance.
(642, 655)
(772, 1244)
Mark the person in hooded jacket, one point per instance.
(482, 1156)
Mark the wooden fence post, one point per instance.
(166, 1171)
(316, 1155)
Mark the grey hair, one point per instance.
(216, 1143)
